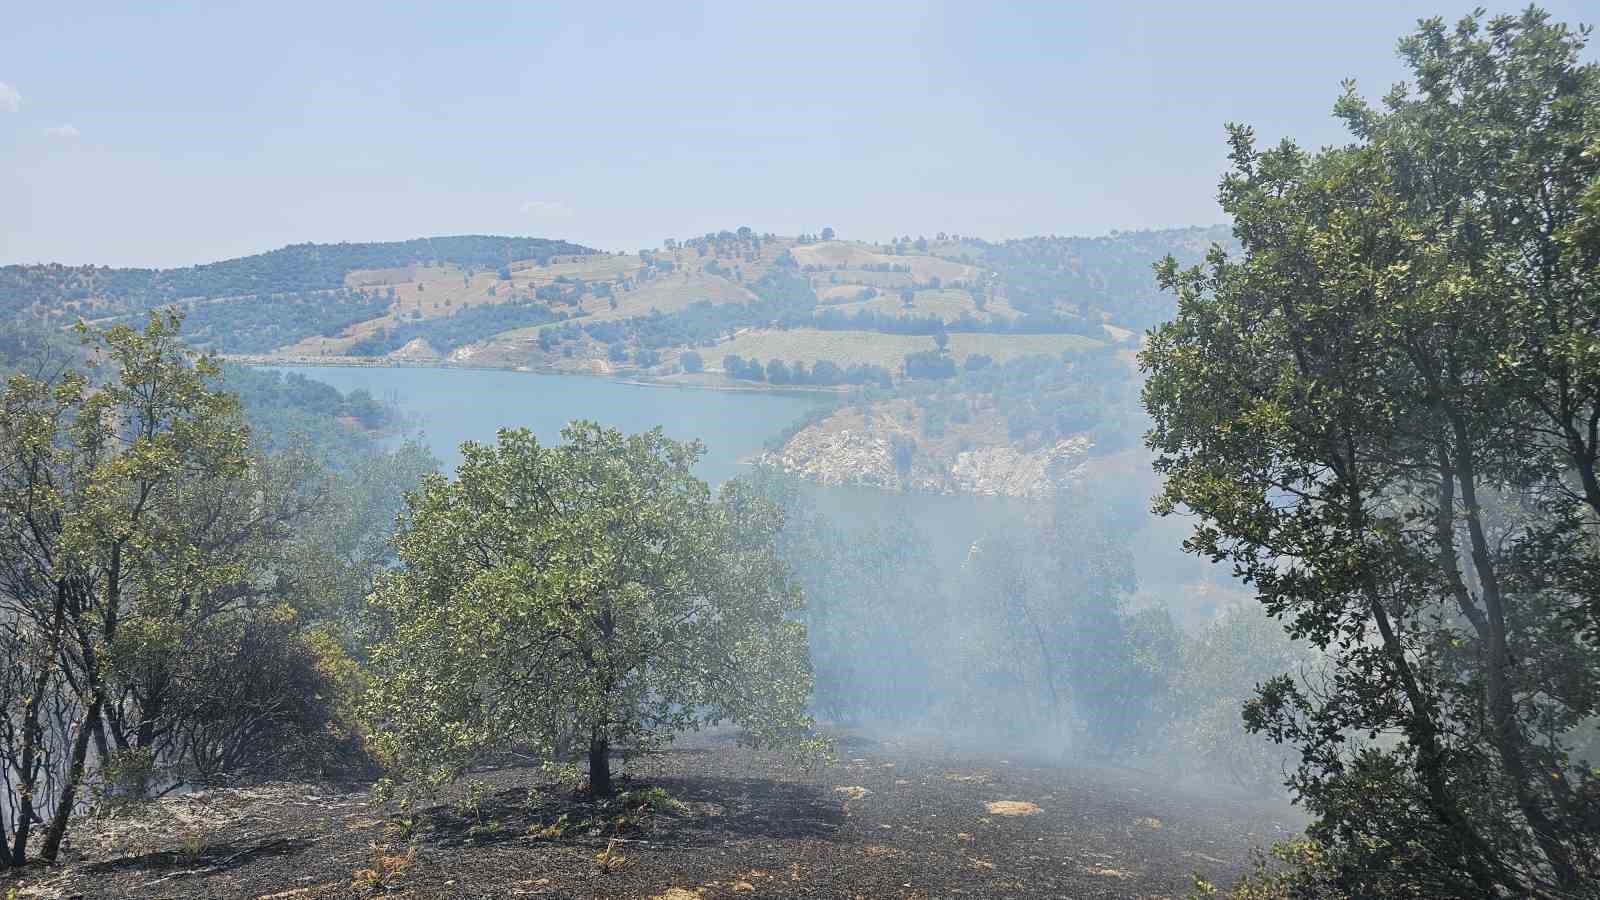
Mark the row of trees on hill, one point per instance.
(821, 372)
(892, 323)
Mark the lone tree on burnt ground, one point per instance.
(1383, 413)
(593, 593)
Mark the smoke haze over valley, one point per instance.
(890, 450)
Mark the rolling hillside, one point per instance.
(537, 303)
(955, 363)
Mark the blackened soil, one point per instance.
(888, 819)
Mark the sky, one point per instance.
(172, 134)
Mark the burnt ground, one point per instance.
(888, 819)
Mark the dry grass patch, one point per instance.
(1012, 808)
(947, 304)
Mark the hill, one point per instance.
(272, 297)
(538, 303)
(956, 364)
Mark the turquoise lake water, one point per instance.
(448, 406)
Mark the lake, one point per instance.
(449, 406)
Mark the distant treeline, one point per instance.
(1110, 273)
(293, 269)
(262, 324)
(889, 323)
(821, 372)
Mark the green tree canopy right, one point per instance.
(1384, 412)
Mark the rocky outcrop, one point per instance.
(1010, 472)
(416, 348)
(881, 447)
(839, 457)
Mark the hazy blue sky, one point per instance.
(210, 130)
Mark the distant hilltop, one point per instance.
(678, 310)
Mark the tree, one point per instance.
(929, 364)
(132, 519)
(827, 234)
(594, 592)
(1384, 414)
(1048, 609)
(941, 339)
(691, 361)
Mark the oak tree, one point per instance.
(593, 593)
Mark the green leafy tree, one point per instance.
(593, 593)
(101, 563)
(1383, 412)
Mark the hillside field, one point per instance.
(886, 350)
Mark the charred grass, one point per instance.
(706, 819)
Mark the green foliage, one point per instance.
(929, 364)
(156, 589)
(1102, 273)
(289, 410)
(1382, 413)
(261, 324)
(1291, 870)
(592, 592)
(1051, 627)
(1210, 676)
(104, 566)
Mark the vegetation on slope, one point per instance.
(1383, 413)
(48, 289)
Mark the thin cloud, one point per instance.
(10, 98)
(63, 130)
(546, 209)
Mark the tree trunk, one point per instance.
(600, 767)
(1505, 732)
(69, 788)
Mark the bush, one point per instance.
(260, 696)
(929, 364)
